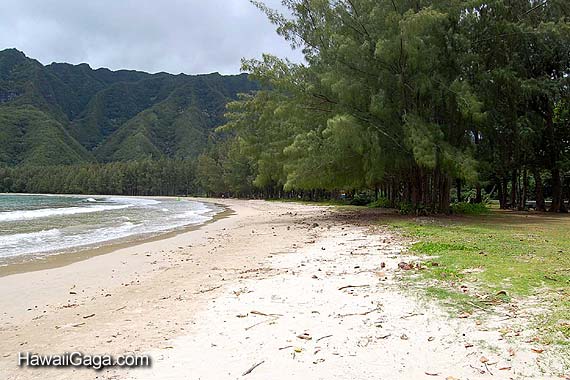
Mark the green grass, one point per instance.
(519, 253)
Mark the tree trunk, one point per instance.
(524, 191)
(458, 186)
(514, 181)
(478, 194)
(556, 191)
(444, 190)
(539, 190)
(503, 193)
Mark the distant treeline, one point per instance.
(162, 177)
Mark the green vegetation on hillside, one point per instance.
(72, 114)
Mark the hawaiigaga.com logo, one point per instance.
(81, 360)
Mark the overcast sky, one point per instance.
(190, 36)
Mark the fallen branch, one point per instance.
(365, 313)
(488, 370)
(259, 323)
(323, 337)
(353, 286)
(265, 314)
(252, 368)
(411, 315)
(208, 290)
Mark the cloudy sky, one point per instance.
(190, 36)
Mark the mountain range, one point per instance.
(66, 114)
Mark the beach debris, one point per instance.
(537, 350)
(88, 316)
(410, 315)
(405, 266)
(70, 325)
(323, 337)
(404, 337)
(485, 362)
(284, 348)
(468, 345)
(364, 313)
(255, 312)
(298, 350)
(353, 286)
(208, 290)
(305, 336)
(432, 373)
(505, 368)
(431, 339)
(481, 372)
(384, 336)
(250, 370)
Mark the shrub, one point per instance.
(406, 208)
(361, 200)
(469, 208)
(380, 203)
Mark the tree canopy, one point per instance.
(412, 98)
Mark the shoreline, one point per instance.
(51, 260)
(134, 298)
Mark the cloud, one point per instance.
(190, 36)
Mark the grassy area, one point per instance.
(499, 255)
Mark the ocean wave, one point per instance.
(133, 201)
(30, 237)
(53, 236)
(12, 216)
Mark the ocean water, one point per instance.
(33, 226)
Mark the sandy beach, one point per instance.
(271, 290)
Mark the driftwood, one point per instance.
(364, 313)
(323, 337)
(209, 289)
(353, 286)
(250, 370)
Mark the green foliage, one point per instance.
(361, 199)
(464, 208)
(411, 98)
(149, 177)
(380, 203)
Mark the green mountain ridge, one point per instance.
(65, 114)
